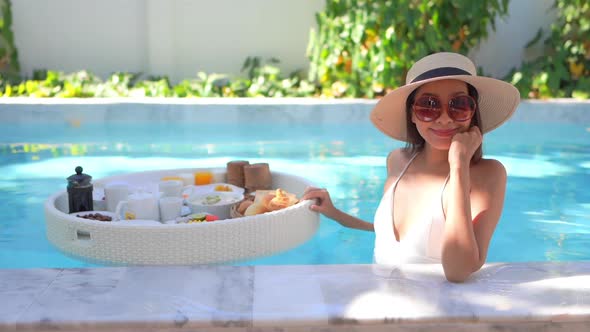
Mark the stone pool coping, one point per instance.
(512, 297)
(548, 296)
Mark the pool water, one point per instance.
(546, 215)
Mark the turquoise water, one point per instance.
(546, 216)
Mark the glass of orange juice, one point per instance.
(203, 177)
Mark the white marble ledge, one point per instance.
(510, 297)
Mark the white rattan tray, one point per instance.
(222, 241)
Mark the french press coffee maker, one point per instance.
(80, 191)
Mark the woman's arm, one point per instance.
(325, 206)
(324, 203)
(472, 213)
(459, 248)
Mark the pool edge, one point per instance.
(515, 296)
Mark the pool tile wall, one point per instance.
(236, 110)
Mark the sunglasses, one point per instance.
(429, 108)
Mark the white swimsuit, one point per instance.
(422, 243)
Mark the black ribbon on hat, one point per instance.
(438, 72)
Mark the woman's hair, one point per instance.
(415, 142)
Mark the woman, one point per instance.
(442, 200)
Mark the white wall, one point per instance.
(181, 37)
(504, 48)
(102, 36)
(160, 37)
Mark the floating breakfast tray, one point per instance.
(221, 241)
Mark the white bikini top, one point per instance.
(422, 243)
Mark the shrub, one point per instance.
(564, 69)
(9, 67)
(263, 79)
(363, 48)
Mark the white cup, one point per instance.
(187, 178)
(171, 188)
(114, 192)
(98, 201)
(139, 206)
(170, 208)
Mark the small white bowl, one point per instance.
(216, 203)
(214, 187)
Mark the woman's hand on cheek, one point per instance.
(463, 146)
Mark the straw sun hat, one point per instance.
(497, 99)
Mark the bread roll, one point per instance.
(255, 209)
(244, 205)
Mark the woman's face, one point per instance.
(439, 132)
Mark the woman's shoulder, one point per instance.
(396, 160)
(489, 170)
(489, 164)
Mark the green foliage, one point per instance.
(364, 48)
(564, 69)
(9, 67)
(263, 79)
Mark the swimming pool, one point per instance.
(547, 208)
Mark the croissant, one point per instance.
(270, 200)
(281, 200)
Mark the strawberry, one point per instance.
(211, 217)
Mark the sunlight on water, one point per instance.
(532, 168)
